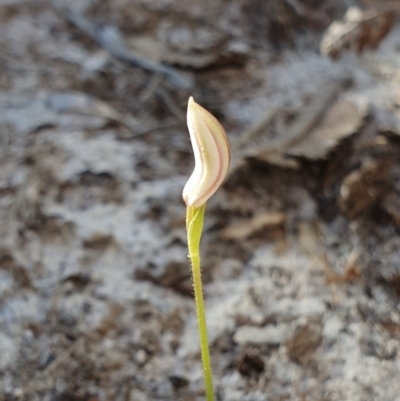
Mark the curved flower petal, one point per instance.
(211, 155)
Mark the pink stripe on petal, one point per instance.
(211, 146)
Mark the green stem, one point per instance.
(194, 226)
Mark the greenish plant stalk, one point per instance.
(194, 227)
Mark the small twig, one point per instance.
(158, 127)
(151, 87)
(54, 365)
(170, 103)
(62, 358)
(110, 38)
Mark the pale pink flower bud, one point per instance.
(211, 155)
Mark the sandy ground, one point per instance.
(301, 248)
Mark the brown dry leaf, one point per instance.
(308, 238)
(391, 327)
(246, 228)
(225, 53)
(306, 340)
(299, 129)
(359, 30)
(392, 206)
(250, 364)
(20, 274)
(256, 144)
(363, 188)
(173, 275)
(351, 273)
(343, 119)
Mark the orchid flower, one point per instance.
(212, 157)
